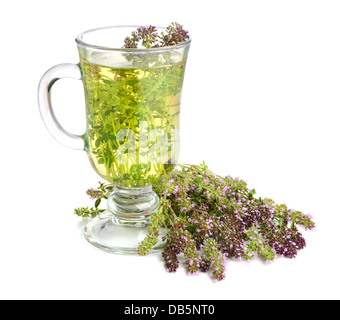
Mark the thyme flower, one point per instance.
(148, 37)
(210, 218)
(175, 34)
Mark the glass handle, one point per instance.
(65, 70)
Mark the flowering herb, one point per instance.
(210, 218)
(149, 38)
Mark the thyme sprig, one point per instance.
(148, 37)
(210, 218)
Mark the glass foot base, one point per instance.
(111, 234)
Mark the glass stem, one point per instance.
(133, 204)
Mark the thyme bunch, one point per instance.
(210, 218)
(148, 37)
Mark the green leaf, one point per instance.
(280, 223)
(97, 143)
(97, 203)
(106, 81)
(218, 213)
(191, 229)
(251, 194)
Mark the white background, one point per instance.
(261, 101)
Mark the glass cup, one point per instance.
(133, 98)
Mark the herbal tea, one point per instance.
(133, 86)
(132, 121)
